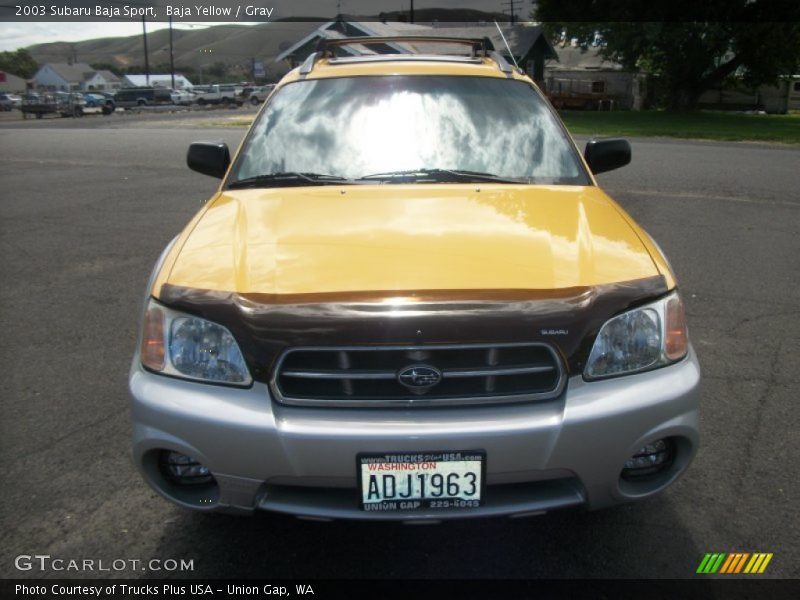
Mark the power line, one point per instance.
(513, 6)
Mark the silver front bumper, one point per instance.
(540, 456)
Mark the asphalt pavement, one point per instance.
(86, 207)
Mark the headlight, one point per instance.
(177, 344)
(641, 339)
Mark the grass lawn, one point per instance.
(693, 125)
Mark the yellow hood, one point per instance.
(407, 237)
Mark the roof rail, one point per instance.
(308, 63)
(325, 46)
(501, 62)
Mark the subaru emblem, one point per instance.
(419, 378)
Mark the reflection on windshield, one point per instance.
(357, 126)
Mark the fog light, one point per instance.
(650, 458)
(183, 469)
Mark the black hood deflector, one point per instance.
(265, 325)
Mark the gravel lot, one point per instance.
(86, 205)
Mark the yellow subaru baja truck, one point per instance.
(409, 299)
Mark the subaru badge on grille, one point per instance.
(419, 378)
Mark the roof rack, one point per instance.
(325, 46)
(480, 47)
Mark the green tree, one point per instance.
(18, 62)
(217, 70)
(688, 58)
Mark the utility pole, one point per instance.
(411, 16)
(510, 4)
(146, 59)
(171, 57)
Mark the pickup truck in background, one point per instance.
(219, 94)
(182, 97)
(256, 95)
(142, 96)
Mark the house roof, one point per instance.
(576, 59)
(108, 75)
(72, 73)
(520, 38)
(328, 31)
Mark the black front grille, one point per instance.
(418, 375)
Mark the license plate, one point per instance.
(421, 481)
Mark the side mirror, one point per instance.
(209, 158)
(606, 155)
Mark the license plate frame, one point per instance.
(426, 502)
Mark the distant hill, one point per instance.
(233, 45)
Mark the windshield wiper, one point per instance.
(288, 178)
(443, 175)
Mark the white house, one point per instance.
(156, 80)
(62, 76)
(583, 78)
(103, 81)
(74, 77)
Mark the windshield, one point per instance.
(394, 129)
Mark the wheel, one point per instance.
(201, 101)
(253, 100)
(141, 102)
(38, 115)
(226, 100)
(77, 112)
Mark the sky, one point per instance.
(19, 35)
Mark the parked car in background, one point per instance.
(9, 101)
(142, 96)
(182, 97)
(93, 101)
(257, 95)
(110, 104)
(102, 100)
